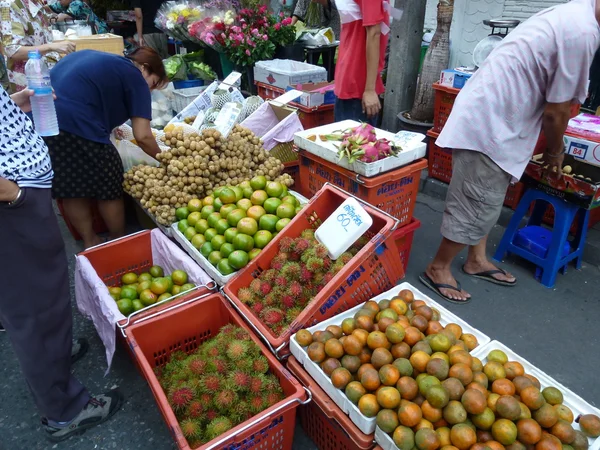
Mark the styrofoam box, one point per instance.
(214, 273)
(283, 73)
(329, 150)
(365, 424)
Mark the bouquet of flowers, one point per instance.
(174, 17)
(205, 30)
(281, 31)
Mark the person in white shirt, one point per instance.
(527, 84)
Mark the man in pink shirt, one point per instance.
(527, 84)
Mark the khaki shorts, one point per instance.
(475, 197)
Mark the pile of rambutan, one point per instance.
(300, 270)
(225, 382)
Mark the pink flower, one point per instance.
(287, 21)
(262, 9)
(281, 15)
(265, 37)
(244, 26)
(236, 29)
(277, 26)
(248, 52)
(254, 32)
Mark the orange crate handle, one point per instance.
(211, 285)
(113, 241)
(267, 419)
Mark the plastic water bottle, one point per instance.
(42, 101)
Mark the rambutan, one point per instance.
(256, 384)
(271, 383)
(241, 335)
(270, 300)
(321, 251)
(272, 398)
(210, 383)
(326, 263)
(272, 316)
(345, 258)
(181, 397)
(178, 356)
(327, 278)
(288, 301)
(280, 281)
(217, 427)
(239, 379)
(305, 274)
(190, 428)
(228, 329)
(241, 411)
(212, 414)
(195, 409)
(308, 234)
(314, 264)
(301, 245)
(256, 403)
(218, 365)
(207, 399)
(225, 398)
(246, 295)
(265, 288)
(291, 271)
(310, 253)
(337, 266)
(197, 366)
(286, 244)
(211, 349)
(278, 261)
(260, 365)
(292, 314)
(295, 289)
(257, 308)
(255, 286)
(237, 350)
(269, 275)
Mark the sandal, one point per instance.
(488, 275)
(435, 287)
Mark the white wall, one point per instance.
(523, 9)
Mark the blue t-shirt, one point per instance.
(97, 92)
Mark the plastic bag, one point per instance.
(95, 303)
(175, 68)
(132, 155)
(266, 125)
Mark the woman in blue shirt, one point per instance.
(77, 10)
(97, 92)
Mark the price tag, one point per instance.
(289, 96)
(578, 150)
(227, 118)
(231, 80)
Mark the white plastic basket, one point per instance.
(183, 97)
(365, 424)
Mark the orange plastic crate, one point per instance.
(439, 160)
(309, 117)
(293, 169)
(403, 237)
(375, 269)
(514, 194)
(442, 105)
(184, 329)
(97, 221)
(323, 421)
(394, 192)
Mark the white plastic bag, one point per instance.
(132, 155)
(266, 125)
(95, 303)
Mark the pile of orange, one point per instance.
(398, 364)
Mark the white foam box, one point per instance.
(282, 73)
(582, 149)
(365, 424)
(328, 150)
(211, 270)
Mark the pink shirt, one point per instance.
(545, 59)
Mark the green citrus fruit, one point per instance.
(143, 285)
(198, 241)
(217, 242)
(291, 199)
(129, 292)
(286, 211)
(262, 238)
(243, 242)
(148, 297)
(210, 233)
(176, 290)
(258, 182)
(271, 205)
(259, 197)
(201, 226)
(194, 205)
(274, 189)
(226, 209)
(226, 249)
(129, 278)
(115, 290)
(281, 224)
(208, 200)
(224, 267)
(207, 211)
(247, 226)
(182, 225)
(239, 193)
(213, 219)
(125, 305)
(187, 287)
(193, 218)
(284, 193)
(206, 249)
(160, 285)
(230, 234)
(244, 204)
(253, 253)
(164, 296)
(227, 195)
(190, 233)
(268, 222)
(217, 204)
(247, 191)
(256, 212)
(145, 276)
(179, 277)
(137, 305)
(238, 259)
(156, 271)
(214, 258)
(235, 216)
(222, 226)
(244, 184)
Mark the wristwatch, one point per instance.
(19, 194)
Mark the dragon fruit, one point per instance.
(361, 144)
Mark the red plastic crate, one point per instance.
(375, 269)
(323, 421)
(394, 192)
(514, 194)
(184, 329)
(439, 159)
(403, 237)
(97, 221)
(309, 117)
(293, 169)
(548, 218)
(442, 105)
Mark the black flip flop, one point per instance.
(488, 275)
(435, 287)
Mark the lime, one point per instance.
(182, 213)
(145, 276)
(143, 285)
(129, 292)
(208, 200)
(224, 267)
(244, 184)
(259, 197)
(137, 305)
(244, 204)
(198, 241)
(213, 219)
(125, 306)
(230, 234)
(253, 253)
(129, 278)
(217, 192)
(206, 249)
(156, 271)
(286, 211)
(262, 238)
(160, 285)
(235, 216)
(190, 233)
(274, 189)
(170, 283)
(217, 204)
(176, 290)
(210, 233)
(222, 226)
(187, 287)
(217, 242)
(268, 222)
(201, 226)
(226, 249)
(164, 297)
(226, 209)
(271, 205)
(258, 182)
(281, 224)
(256, 212)
(238, 259)
(207, 211)
(247, 226)
(239, 193)
(148, 297)
(291, 199)
(243, 242)
(194, 205)
(227, 195)
(179, 277)
(247, 191)
(182, 225)
(193, 218)
(115, 290)
(214, 258)
(285, 191)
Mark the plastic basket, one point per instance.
(394, 192)
(439, 160)
(309, 117)
(374, 269)
(183, 97)
(323, 421)
(514, 194)
(183, 328)
(284, 152)
(442, 105)
(97, 221)
(403, 237)
(292, 168)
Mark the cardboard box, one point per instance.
(454, 78)
(314, 94)
(283, 73)
(573, 188)
(109, 43)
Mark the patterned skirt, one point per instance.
(84, 169)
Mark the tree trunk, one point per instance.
(437, 59)
(405, 53)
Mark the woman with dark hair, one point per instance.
(97, 92)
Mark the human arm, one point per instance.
(22, 99)
(554, 124)
(9, 190)
(300, 10)
(142, 132)
(139, 25)
(370, 99)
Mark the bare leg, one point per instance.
(113, 214)
(477, 261)
(440, 272)
(79, 213)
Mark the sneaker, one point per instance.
(99, 409)
(79, 349)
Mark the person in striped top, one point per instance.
(35, 305)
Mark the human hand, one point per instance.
(141, 41)
(554, 164)
(64, 17)
(371, 104)
(23, 99)
(63, 47)
(9, 190)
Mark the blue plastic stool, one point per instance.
(537, 240)
(555, 258)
